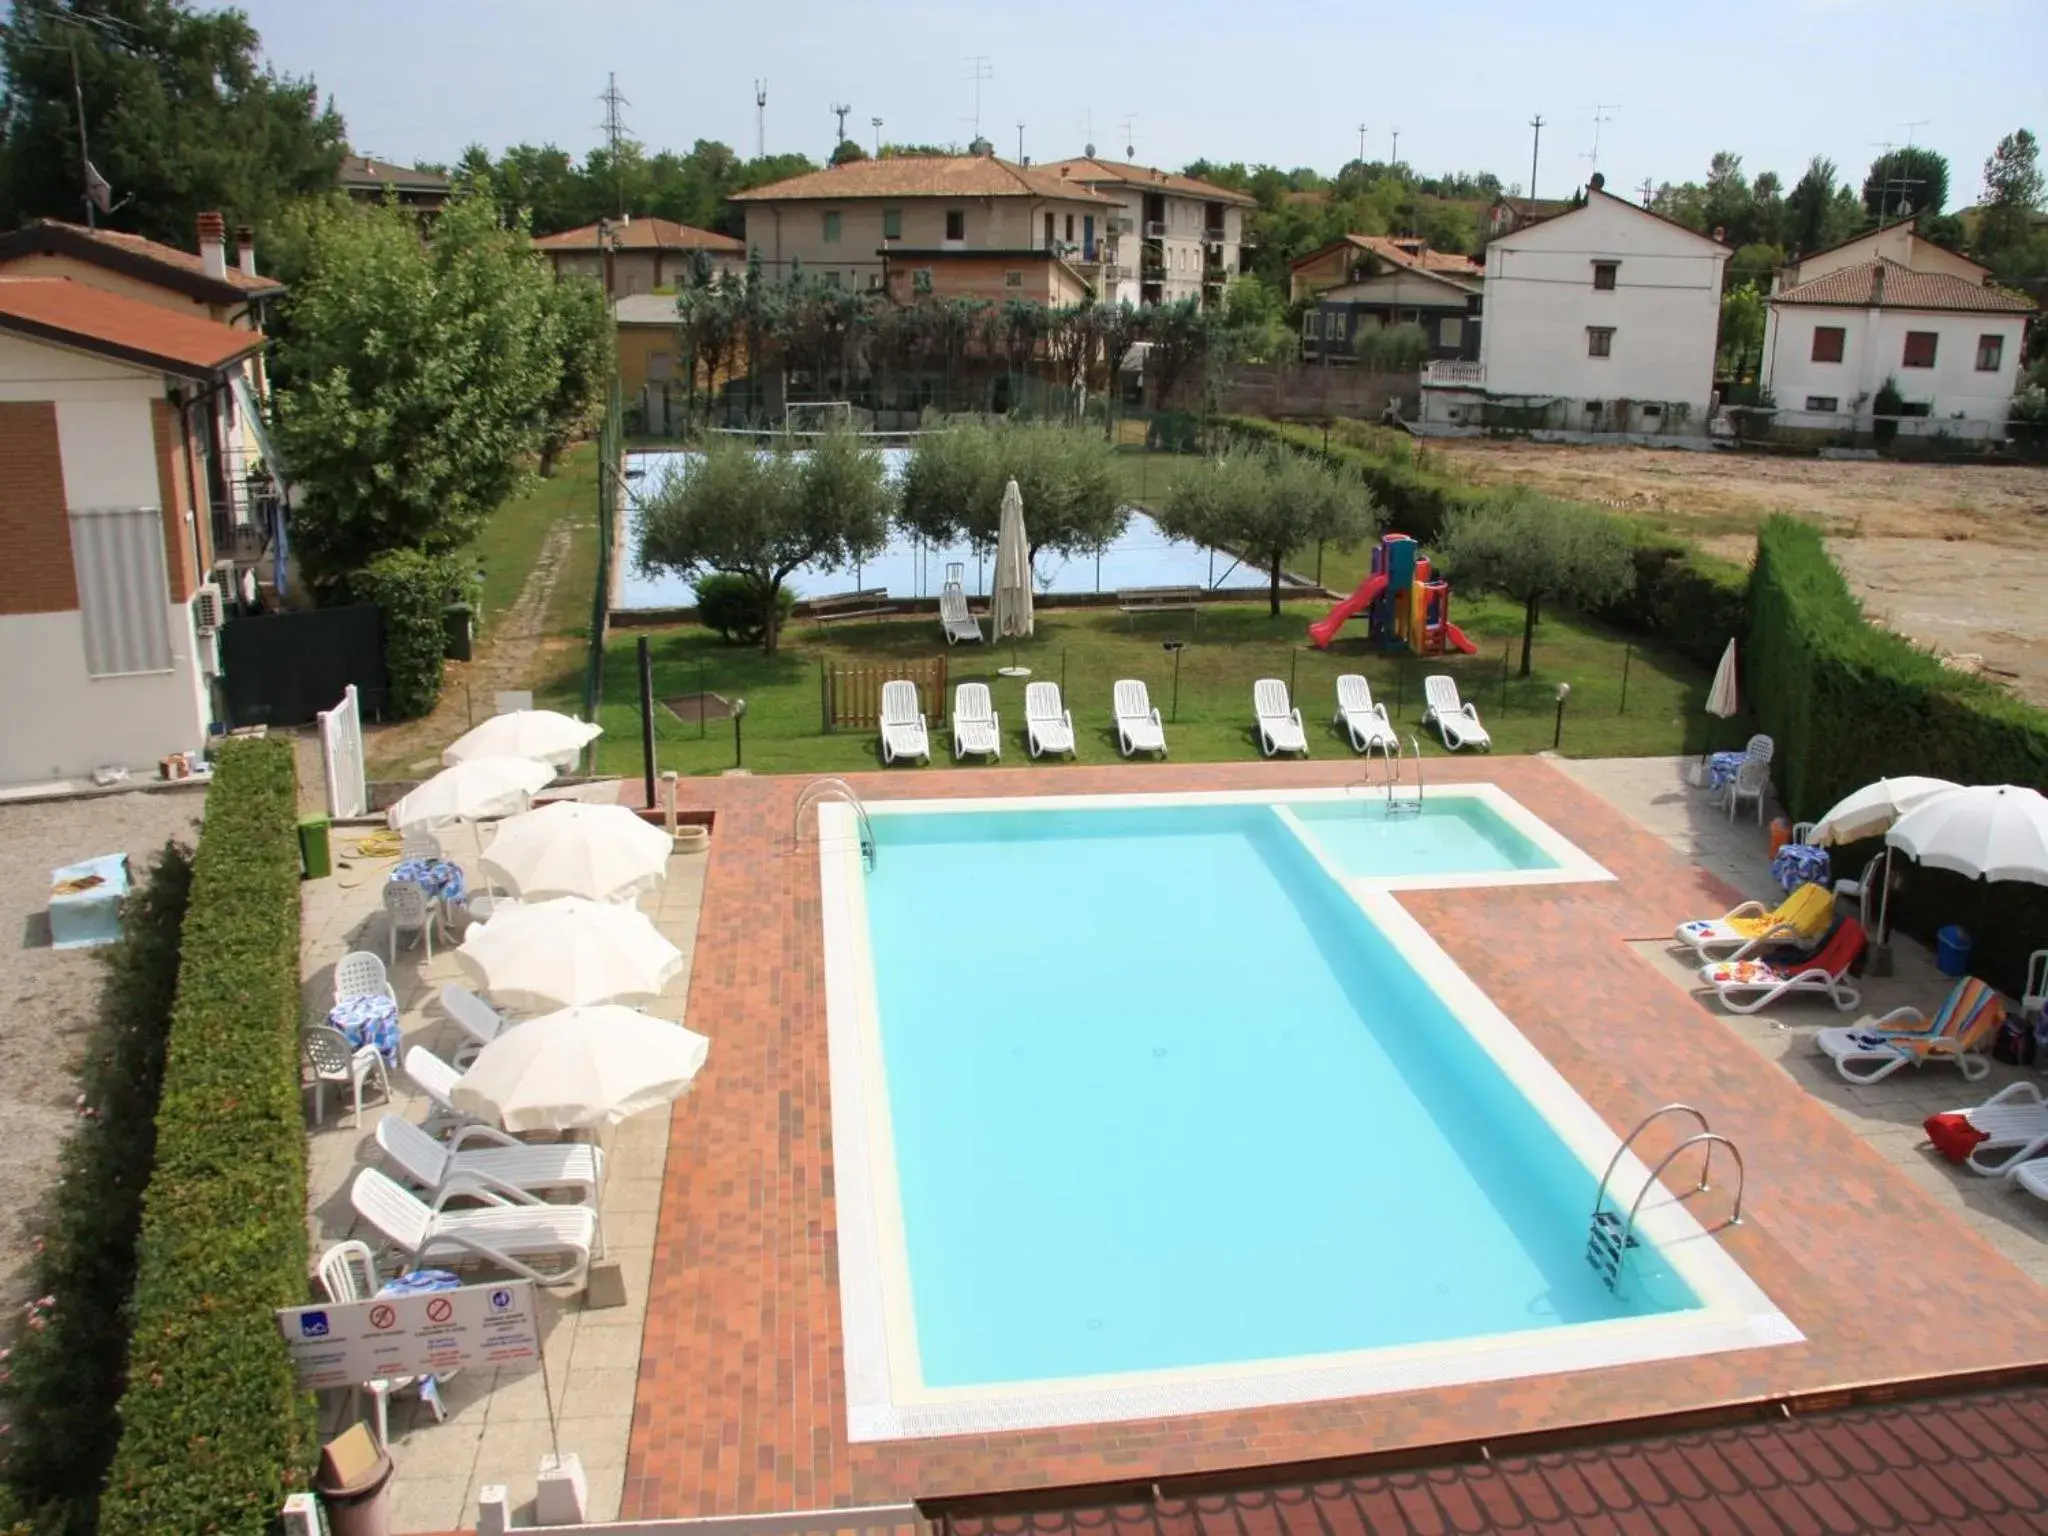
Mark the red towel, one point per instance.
(1953, 1135)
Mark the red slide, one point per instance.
(1456, 636)
(1325, 630)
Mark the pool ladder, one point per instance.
(816, 792)
(1610, 1235)
(1387, 751)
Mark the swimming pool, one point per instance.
(1158, 1104)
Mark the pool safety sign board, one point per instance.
(426, 1333)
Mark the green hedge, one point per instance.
(1848, 702)
(1685, 600)
(215, 1428)
(65, 1375)
(412, 589)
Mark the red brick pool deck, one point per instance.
(740, 1405)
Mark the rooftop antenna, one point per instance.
(1601, 117)
(1647, 191)
(614, 135)
(878, 136)
(1130, 127)
(1020, 144)
(1535, 150)
(1088, 131)
(839, 109)
(1361, 143)
(760, 119)
(978, 70)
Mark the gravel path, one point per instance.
(47, 996)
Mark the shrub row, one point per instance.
(1686, 600)
(65, 1374)
(215, 1430)
(1848, 702)
(412, 589)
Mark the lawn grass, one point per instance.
(1232, 645)
(511, 541)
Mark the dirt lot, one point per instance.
(47, 996)
(1951, 556)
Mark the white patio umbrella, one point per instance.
(542, 734)
(567, 953)
(476, 789)
(1010, 608)
(1875, 807)
(571, 848)
(1987, 831)
(579, 1068)
(1723, 698)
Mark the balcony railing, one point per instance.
(1155, 229)
(1214, 236)
(1443, 371)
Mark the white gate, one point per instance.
(341, 757)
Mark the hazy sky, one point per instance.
(1286, 83)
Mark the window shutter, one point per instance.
(123, 596)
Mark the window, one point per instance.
(1450, 331)
(921, 280)
(1599, 341)
(1919, 351)
(892, 223)
(832, 280)
(1990, 353)
(1823, 402)
(1013, 279)
(1603, 275)
(1311, 323)
(831, 226)
(1828, 342)
(1050, 237)
(659, 365)
(123, 595)
(874, 281)
(1070, 229)
(956, 224)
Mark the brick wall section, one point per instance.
(36, 574)
(174, 487)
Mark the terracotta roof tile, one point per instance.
(1093, 168)
(361, 171)
(924, 176)
(645, 234)
(73, 314)
(56, 234)
(1885, 284)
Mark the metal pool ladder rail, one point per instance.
(1610, 1235)
(819, 790)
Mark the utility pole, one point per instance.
(839, 109)
(978, 70)
(1020, 143)
(1535, 151)
(1361, 144)
(760, 119)
(878, 136)
(85, 170)
(1397, 148)
(614, 136)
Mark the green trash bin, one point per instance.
(315, 857)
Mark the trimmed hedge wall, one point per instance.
(215, 1429)
(1848, 702)
(1686, 600)
(412, 589)
(66, 1373)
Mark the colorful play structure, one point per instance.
(1402, 604)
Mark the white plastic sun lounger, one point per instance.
(485, 1155)
(504, 1232)
(2033, 1178)
(1278, 721)
(1138, 727)
(976, 729)
(959, 623)
(1048, 724)
(2014, 1121)
(1365, 722)
(436, 1079)
(1958, 1031)
(1457, 722)
(903, 732)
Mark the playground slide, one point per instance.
(1456, 636)
(1323, 631)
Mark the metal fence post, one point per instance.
(1627, 655)
(1506, 646)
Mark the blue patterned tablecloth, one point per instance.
(1798, 864)
(371, 1019)
(1721, 767)
(440, 878)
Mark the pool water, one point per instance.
(1455, 835)
(1163, 1095)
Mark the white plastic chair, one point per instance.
(348, 1272)
(501, 1163)
(504, 1231)
(408, 909)
(360, 973)
(976, 729)
(1138, 727)
(1048, 724)
(2035, 998)
(420, 845)
(1279, 722)
(903, 732)
(1752, 782)
(334, 1060)
(1364, 721)
(1455, 720)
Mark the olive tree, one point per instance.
(1265, 503)
(1531, 547)
(762, 514)
(953, 486)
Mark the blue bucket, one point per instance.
(1952, 950)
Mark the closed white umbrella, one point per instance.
(1010, 608)
(1875, 807)
(568, 952)
(580, 1068)
(477, 789)
(570, 848)
(1987, 831)
(542, 734)
(1723, 699)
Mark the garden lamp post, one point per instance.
(1564, 691)
(1174, 648)
(739, 712)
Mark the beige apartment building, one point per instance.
(955, 226)
(1171, 237)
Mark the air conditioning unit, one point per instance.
(209, 611)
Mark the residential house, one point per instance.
(1507, 214)
(1189, 233)
(640, 255)
(650, 371)
(1898, 242)
(1601, 318)
(961, 226)
(1364, 282)
(1949, 342)
(372, 181)
(107, 406)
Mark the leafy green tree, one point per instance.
(1903, 181)
(579, 333)
(763, 515)
(1531, 548)
(953, 486)
(1742, 329)
(1255, 315)
(1809, 208)
(847, 153)
(1266, 503)
(181, 114)
(2012, 193)
(413, 380)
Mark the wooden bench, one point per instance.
(868, 603)
(1131, 601)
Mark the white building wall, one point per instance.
(1873, 349)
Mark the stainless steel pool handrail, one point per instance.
(1395, 759)
(1711, 1138)
(814, 793)
(1642, 1125)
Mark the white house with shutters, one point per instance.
(1599, 320)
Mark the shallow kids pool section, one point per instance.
(1374, 837)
